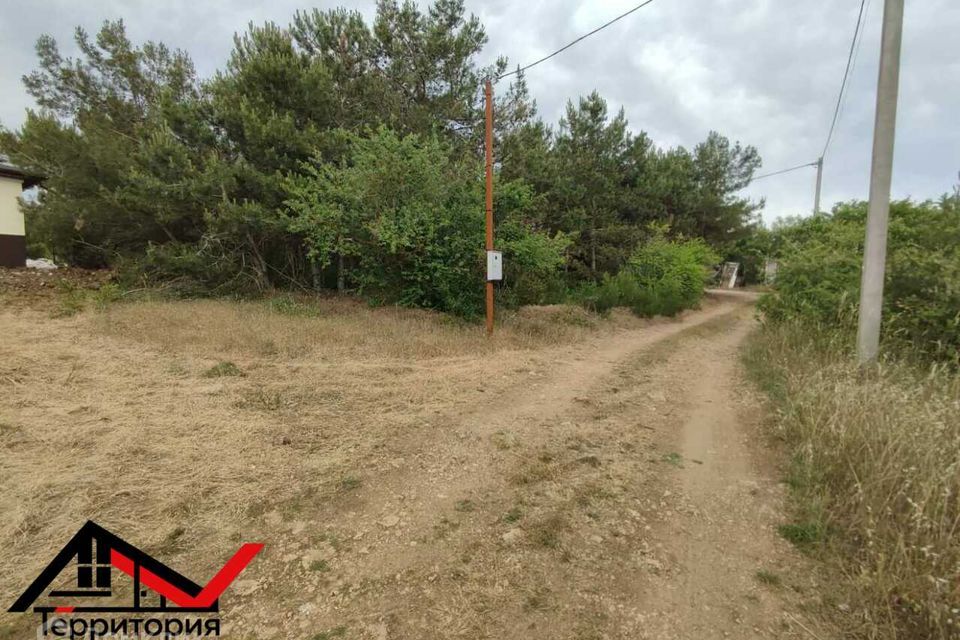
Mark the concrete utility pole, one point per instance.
(816, 199)
(875, 246)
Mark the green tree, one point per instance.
(720, 170)
(340, 42)
(273, 105)
(265, 175)
(591, 149)
(108, 119)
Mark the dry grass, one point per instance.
(342, 328)
(876, 477)
(156, 418)
(189, 427)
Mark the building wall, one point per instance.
(11, 218)
(13, 244)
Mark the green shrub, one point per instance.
(671, 275)
(187, 270)
(223, 369)
(606, 295)
(819, 276)
(532, 265)
(663, 277)
(108, 293)
(399, 222)
(803, 534)
(400, 217)
(72, 299)
(290, 306)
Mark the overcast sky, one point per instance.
(765, 72)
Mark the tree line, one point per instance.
(336, 153)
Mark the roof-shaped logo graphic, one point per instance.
(106, 569)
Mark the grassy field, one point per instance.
(875, 478)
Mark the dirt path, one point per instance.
(609, 489)
(728, 565)
(613, 493)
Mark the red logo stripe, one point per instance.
(64, 610)
(213, 589)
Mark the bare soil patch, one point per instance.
(36, 288)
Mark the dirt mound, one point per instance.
(28, 287)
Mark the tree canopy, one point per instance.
(333, 152)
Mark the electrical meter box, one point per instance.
(494, 266)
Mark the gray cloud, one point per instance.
(765, 72)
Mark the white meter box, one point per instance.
(494, 265)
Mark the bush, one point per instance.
(532, 265)
(663, 277)
(400, 217)
(819, 276)
(672, 273)
(187, 270)
(402, 223)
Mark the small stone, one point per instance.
(513, 536)
(378, 631)
(390, 521)
(652, 564)
(324, 553)
(245, 587)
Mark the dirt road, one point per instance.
(611, 489)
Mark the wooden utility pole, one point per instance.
(881, 174)
(488, 91)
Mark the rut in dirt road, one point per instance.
(726, 504)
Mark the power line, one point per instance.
(853, 47)
(846, 74)
(581, 38)
(854, 50)
(856, 56)
(776, 173)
